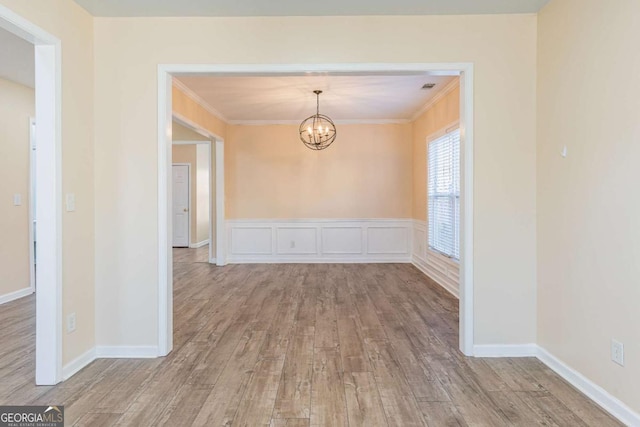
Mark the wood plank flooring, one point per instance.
(300, 345)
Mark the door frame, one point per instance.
(212, 224)
(165, 77)
(48, 90)
(188, 165)
(32, 198)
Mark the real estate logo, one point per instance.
(31, 416)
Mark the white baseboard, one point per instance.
(78, 363)
(213, 260)
(421, 265)
(596, 393)
(505, 350)
(593, 391)
(16, 295)
(126, 352)
(199, 244)
(317, 260)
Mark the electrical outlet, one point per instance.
(292, 244)
(17, 200)
(617, 352)
(71, 323)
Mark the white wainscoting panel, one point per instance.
(251, 240)
(319, 240)
(443, 270)
(300, 240)
(342, 240)
(388, 240)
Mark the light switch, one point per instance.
(71, 202)
(17, 200)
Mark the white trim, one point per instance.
(437, 97)
(190, 142)
(422, 265)
(467, 322)
(199, 244)
(32, 200)
(198, 100)
(188, 165)
(305, 221)
(337, 122)
(127, 352)
(49, 215)
(165, 213)
(505, 350)
(253, 259)
(12, 296)
(16, 24)
(165, 71)
(73, 367)
(48, 90)
(593, 391)
(220, 258)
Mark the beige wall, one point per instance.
(366, 173)
(128, 51)
(17, 105)
(588, 206)
(441, 114)
(74, 27)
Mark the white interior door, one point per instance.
(181, 206)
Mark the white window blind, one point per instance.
(444, 194)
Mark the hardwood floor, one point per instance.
(300, 345)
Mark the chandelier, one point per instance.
(318, 131)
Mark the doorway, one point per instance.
(48, 196)
(196, 147)
(463, 70)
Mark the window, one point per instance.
(444, 194)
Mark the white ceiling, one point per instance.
(306, 7)
(290, 98)
(17, 59)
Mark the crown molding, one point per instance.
(337, 122)
(198, 100)
(438, 96)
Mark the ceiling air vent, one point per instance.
(428, 85)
